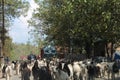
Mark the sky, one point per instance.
(19, 30)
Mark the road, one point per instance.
(14, 77)
(17, 77)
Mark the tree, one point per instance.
(82, 21)
(12, 9)
(8, 47)
(19, 50)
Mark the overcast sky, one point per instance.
(19, 30)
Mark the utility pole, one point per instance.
(2, 29)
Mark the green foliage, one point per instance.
(12, 9)
(8, 47)
(15, 8)
(22, 50)
(78, 20)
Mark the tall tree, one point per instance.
(20, 50)
(78, 22)
(8, 47)
(12, 9)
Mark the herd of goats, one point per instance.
(62, 69)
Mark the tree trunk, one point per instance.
(88, 49)
(111, 49)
